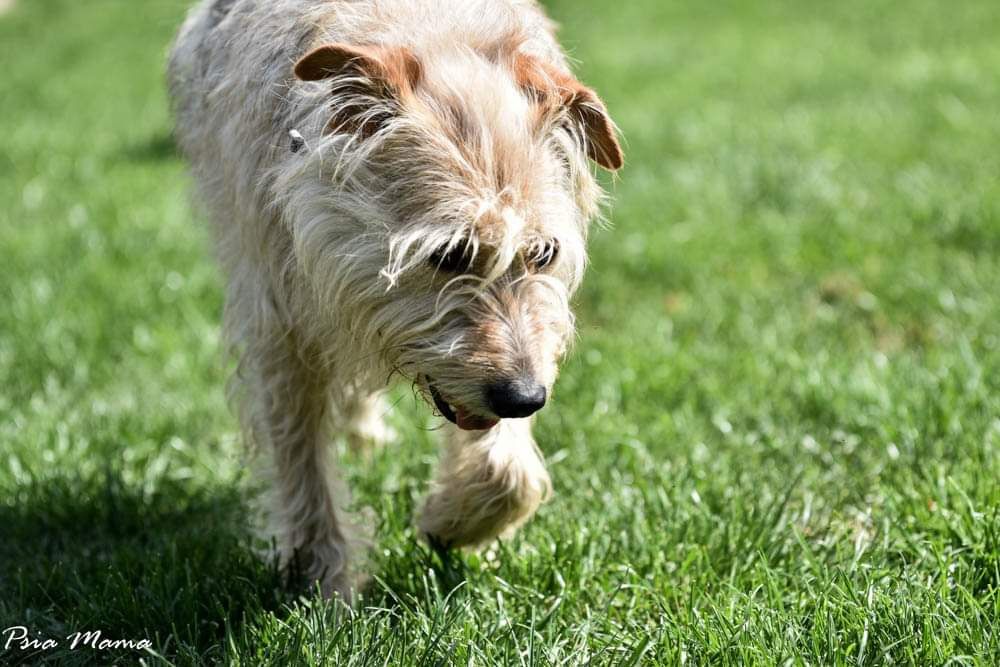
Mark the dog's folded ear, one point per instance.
(581, 104)
(385, 73)
(396, 67)
(602, 144)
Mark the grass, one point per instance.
(776, 442)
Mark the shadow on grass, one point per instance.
(174, 565)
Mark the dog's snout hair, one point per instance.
(511, 328)
(427, 221)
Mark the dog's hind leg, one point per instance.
(488, 484)
(288, 410)
(361, 418)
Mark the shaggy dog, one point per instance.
(399, 188)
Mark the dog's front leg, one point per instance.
(290, 424)
(488, 483)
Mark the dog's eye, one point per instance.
(455, 258)
(543, 254)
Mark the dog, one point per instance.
(398, 189)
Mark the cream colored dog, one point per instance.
(398, 188)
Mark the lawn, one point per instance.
(777, 439)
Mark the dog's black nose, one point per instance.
(513, 399)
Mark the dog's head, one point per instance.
(454, 232)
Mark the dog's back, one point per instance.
(229, 72)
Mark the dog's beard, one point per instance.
(445, 371)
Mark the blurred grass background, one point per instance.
(776, 440)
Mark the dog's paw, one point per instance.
(447, 522)
(439, 544)
(306, 572)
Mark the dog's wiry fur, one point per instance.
(430, 127)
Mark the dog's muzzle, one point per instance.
(459, 415)
(507, 399)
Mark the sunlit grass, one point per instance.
(776, 439)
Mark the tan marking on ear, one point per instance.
(394, 66)
(602, 145)
(393, 71)
(551, 86)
